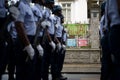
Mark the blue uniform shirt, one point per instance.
(12, 30)
(41, 8)
(42, 12)
(38, 10)
(112, 12)
(59, 27)
(27, 17)
(47, 13)
(2, 9)
(49, 17)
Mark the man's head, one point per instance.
(49, 4)
(57, 10)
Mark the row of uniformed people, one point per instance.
(34, 63)
(110, 29)
(50, 57)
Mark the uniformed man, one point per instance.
(63, 50)
(49, 56)
(11, 51)
(57, 10)
(2, 41)
(5, 37)
(112, 16)
(106, 60)
(12, 35)
(26, 29)
(38, 14)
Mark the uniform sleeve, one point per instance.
(22, 12)
(36, 11)
(46, 14)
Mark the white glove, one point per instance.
(48, 23)
(45, 23)
(40, 50)
(31, 4)
(64, 47)
(30, 51)
(53, 45)
(59, 46)
(12, 2)
(57, 25)
(14, 12)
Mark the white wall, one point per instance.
(79, 11)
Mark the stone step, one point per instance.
(81, 68)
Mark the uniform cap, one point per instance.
(57, 8)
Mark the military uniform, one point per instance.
(11, 51)
(5, 37)
(38, 14)
(26, 29)
(62, 55)
(3, 55)
(49, 57)
(59, 33)
(112, 17)
(106, 60)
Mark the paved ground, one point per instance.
(74, 77)
(78, 72)
(82, 68)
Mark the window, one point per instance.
(67, 11)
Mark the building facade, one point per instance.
(75, 11)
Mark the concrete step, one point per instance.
(81, 68)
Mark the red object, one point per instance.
(82, 42)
